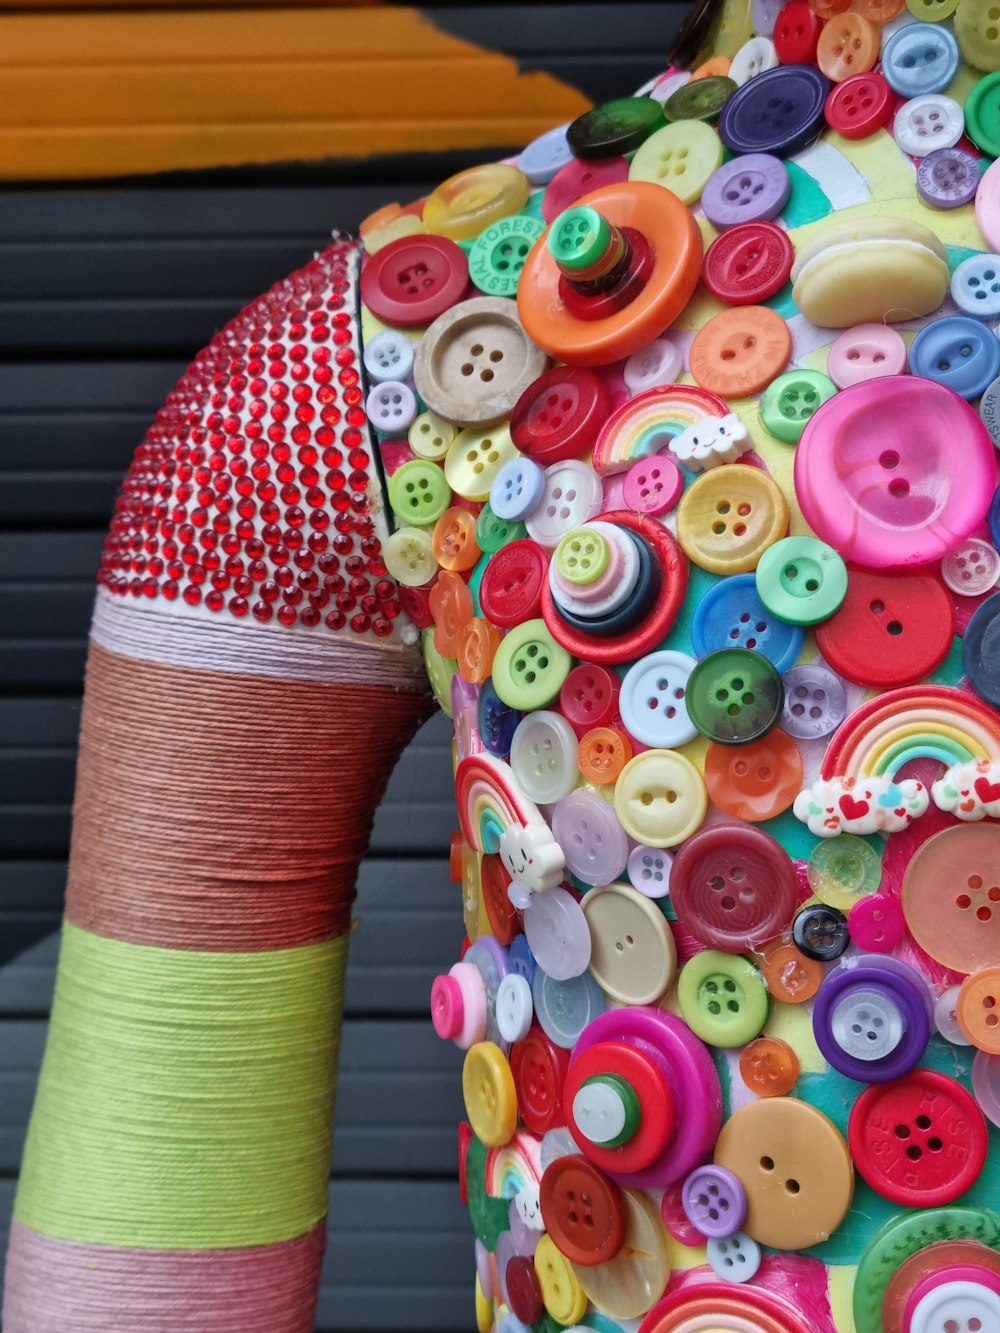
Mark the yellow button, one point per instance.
(474, 459)
(680, 157)
(430, 436)
(473, 907)
(729, 517)
(562, 1294)
(660, 798)
(978, 31)
(409, 557)
(633, 958)
(464, 205)
(932, 11)
(631, 1283)
(490, 1095)
(484, 1309)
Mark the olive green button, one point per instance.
(842, 870)
(681, 157)
(529, 667)
(790, 400)
(723, 998)
(498, 254)
(734, 696)
(801, 580)
(582, 556)
(701, 99)
(439, 670)
(419, 492)
(615, 128)
(978, 32)
(492, 531)
(579, 238)
(430, 436)
(931, 11)
(982, 112)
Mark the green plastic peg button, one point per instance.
(801, 580)
(723, 998)
(529, 667)
(579, 238)
(790, 400)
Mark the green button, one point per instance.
(492, 531)
(439, 670)
(842, 870)
(702, 99)
(533, 208)
(723, 998)
(734, 696)
(475, 580)
(615, 128)
(801, 580)
(582, 556)
(789, 401)
(419, 492)
(498, 254)
(490, 1217)
(607, 1089)
(579, 237)
(529, 667)
(982, 114)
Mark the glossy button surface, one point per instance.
(979, 651)
(559, 414)
(958, 353)
(653, 485)
(975, 1009)
(801, 580)
(848, 44)
(583, 1211)
(414, 279)
(620, 1106)
(681, 157)
(740, 350)
(920, 58)
(652, 700)
(467, 203)
(866, 352)
(733, 887)
(871, 1018)
(633, 956)
(539, 1068)
(714, 1201)
(614, 127)
(796, 32)
(790, 400)
(769, 1067)
(722, 998)
(474, 458)
(748, 263)
(660, 798)
(752, 188)
(511, 588)
(587, 829)
(529, 667)
(859, 105)
(957, 926)
(781, 110)
(490, 1096)
(729, 517)
(815, 702)
(843, 870)
(926, 123)
(734, 696)
(572, 495)
(557, 934)
(543, 756)
(629, 1284)
(756, 781)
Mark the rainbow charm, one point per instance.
(648, 422)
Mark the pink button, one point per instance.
(988, 206)
(866, 352)
(458, 1006)
(876, 923)
(653, 485)
(911, 496)
(676, 1220)
(578, 178)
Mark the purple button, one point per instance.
(948, 178)
(483, 1269)
(653, 485)
(648, 870)
(525, 1237)
(815, 702)
(491, 961)
(557, 933)
(595, 846)
(872, 1018)
(764, 15)
(754, 188)
(465, 714)
(715, 1201)
(876, 923)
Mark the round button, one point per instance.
(795, 1168)
(781, 110)
(920, 1141)
(454, 540)
(511, 587)
(733, 887)
(757, 781)
(912, 493)
(976, 1009)
(859, 106)
(796, 33)
(543, 756)
(413, 280)
(391, 407)
(657, 364)
(821, 932)
(949, 178)
(700, 99)
(388, 356)
(630, 1284)
(748, 263)
(652, 700)
(843, 870)
(848, 44)
(926, 123)
(517, 489)
(558, 416)
(557, 933)
(957, 352)
(975, 286)
(648, 869)
(539, 1068)
(546, 155)
(753, 57)
(734, 696)
(972, 568)
(769, 1067)
(876, 923)
(418, 492)
(585, 826)
(451, 606)
(967, 1303)
(715, 1201)
(493, 532)
(589, 697)
(529, 667)
(801, 580)
(920, 58)
(740, 351)
(504, 920)
(790, 976)
(752, 188)
(430, 436)
(979, 651)
(474, 458)
(581, 557)
(681, 156)
(955, 925)
(520, 1286)
(615, 127)
(466, 204)
(409, 557)
(606, 1111)
(620, 1106)
(729, 517)
(982, 116)
(977, 38)
(789, 401)
(583, 1211)
(490, 1097)
(653, 485)
(602, 754)
(735, 1259)
(478, 641)
(578, 178)
(946, 1022)
(815, 703)
(561, 1291)
(497, 723)
(660, 798)
(571, 496)
(633, 956)
(514, 1007)
(871, 1018)
(866, 352)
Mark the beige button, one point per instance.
(633, 958)
(795, 1168)
(631, 1283)
(474, 362)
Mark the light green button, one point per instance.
(931, 11)
(680, 157)
(529, 667)
(978, 33)
(791, 399)
(492, 531)
(801, 580)
(419, 492)
(723, 998)
(439, 670)
(430, 436)
(582, 556)
(579, 238)
(498, 254)
(842, 870)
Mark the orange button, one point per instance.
(602, 754)
(769, 1067)
(453, 540)
(880, 11)
(755, 781)
(716, 67)
(951, 896)
(740, 351)
(450, 605)
(849, 44)
(977, 1009)
(789, 974)
(826, 9)
(478, 641)
(455, 852)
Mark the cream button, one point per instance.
(633, 958)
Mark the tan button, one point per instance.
(632, 958)
(796, 1170)
(631, 1283)
(474, 362)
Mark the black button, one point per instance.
(821, 932)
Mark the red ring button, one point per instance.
(539, 1067)
(414, 279)
(713, 1303)
(641, 1072)
(748, 263)
(583, 1211)
(511, 588)
(589, 697)
(560, 414)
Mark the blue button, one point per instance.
(920, 58)
(522, 960)
(981, 650)
(497, 721)
(994, 518)
(958, 352)
(546, 155)
(731, 615)
(778, 111)
(564, 1008)
(517, 489)
(975, 286)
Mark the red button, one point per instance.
(560, 414)
(511, 588)
(748, 263)
(656, 1125)
(733, 887)
(416, 603)
(464, 1139)
(583, 1211)
(589, 697)
(796, 33)
(414, 279)
(893, 628)
(524, 1295)
(578, 178)
(539, 1067)
(920, 1141)
(859, 106)
(504, 919)
(711, 1305)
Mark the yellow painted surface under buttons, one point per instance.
(729, 517)
(562, 1294)
(631, 1283)
(680, 157)
(660, 798)
(490, 1095)
(475, 457)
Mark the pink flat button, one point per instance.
(876, 923)
(894, 471)
(866, 352)
(988, 206)
(653, 485)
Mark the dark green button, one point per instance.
(702, 99)
(615, 127)
(734, 696)
(489, 1217)
(492, 531)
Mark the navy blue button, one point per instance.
(981, 648)
(731, 615)
(634, 609)
(920, 58)
(821, 932)
(994, 518)
(957, 352)
(778, 111)
(497, 721)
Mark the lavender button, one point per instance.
(483, 1269)
(815, 702)
(490, 959)
(948, 178)
(715, 1201)
(648, 870)
(595, 846)
(465, 712)
(764, 15)
(557, 933)
(754, 188)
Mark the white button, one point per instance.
(622, 590)
(543, 753)
(736, 1258)
(572, 495)
(867, 1025)
(666, 85)
(928, 122)
(388, 356)
(648, 870)
(658, 363)
(599, 1112)
(545, 155)
(957, 1307)
(752, 58)
(409, 557)
(391, 407)
(556, 1143)
(651, 702)
(945, 1020)
(972, 568)
(514, 1008)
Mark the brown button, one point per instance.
(796, 1170)
(475, 361)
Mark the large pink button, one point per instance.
(894, 471)
(988, 207)
(866, 352)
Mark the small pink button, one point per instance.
(458, 1006)
(446, 1007)
(394, 453)
(988, 206)
(876, 923)
(653, 485)
(866, 352)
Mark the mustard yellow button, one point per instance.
(474, 459)
(632, 958)
(729, 517)
(660, 798)
(490, 1095)
(978, 31)
(562, 1294)
(484, 1309)
(680, 157)
(464, 205)
(631, 1283)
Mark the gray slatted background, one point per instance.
(105, 294)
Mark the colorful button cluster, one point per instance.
(689, 416)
